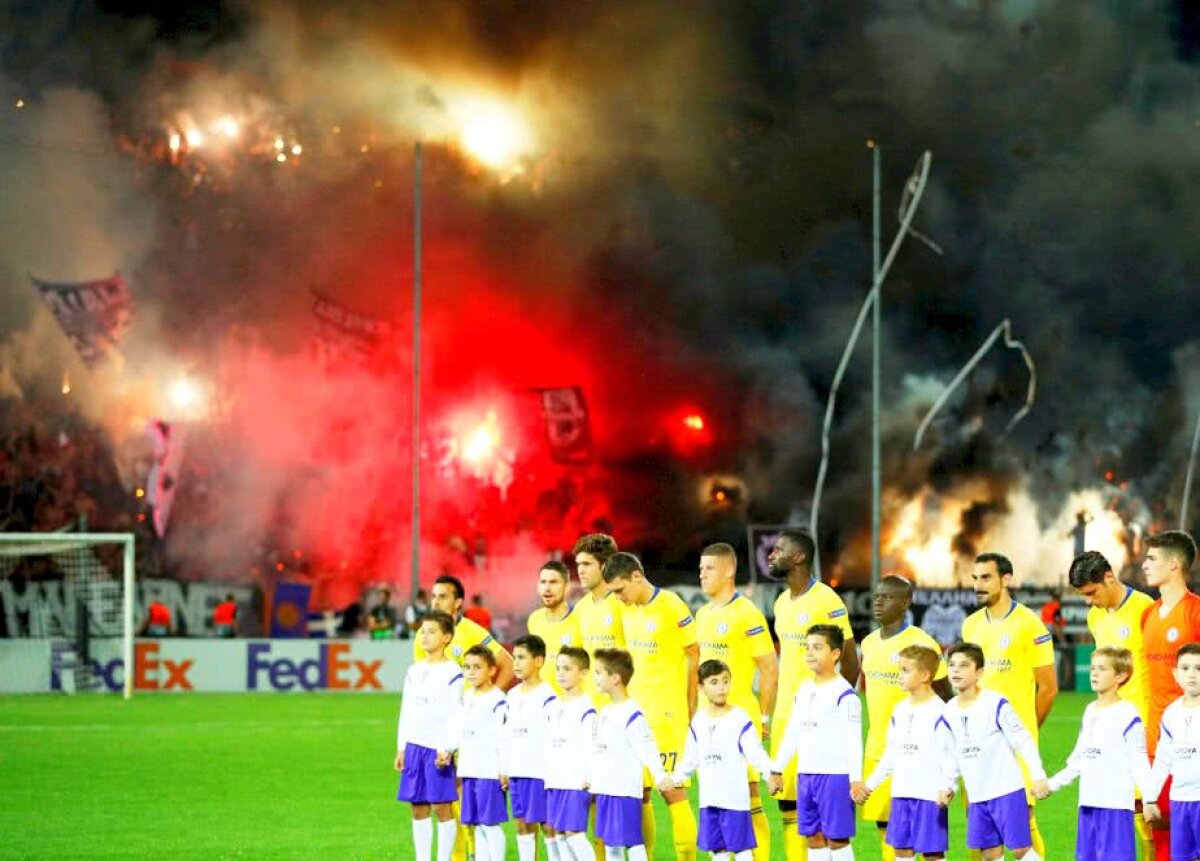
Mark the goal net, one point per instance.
(70, 587)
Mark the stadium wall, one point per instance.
(226, 666)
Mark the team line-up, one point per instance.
(605, 709)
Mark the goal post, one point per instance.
(64, 548)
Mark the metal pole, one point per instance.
(416, 379)
(876, 467)
(129, 559)
(1187, 483)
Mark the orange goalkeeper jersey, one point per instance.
(1161, 638)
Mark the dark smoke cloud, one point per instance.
(693, 229)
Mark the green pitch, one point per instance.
(269, 777)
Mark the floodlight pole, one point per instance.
(416, 378)
(1187, 483)
(876, 465)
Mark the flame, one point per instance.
(494, 134)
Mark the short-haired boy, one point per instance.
(1110, 761)
(722, 741)
(988, 738)
(1178, 758)
(525, 737)
(919, 757)
(624, 746)
(572, 738)
(826, 724)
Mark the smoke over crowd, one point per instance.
(685, 223)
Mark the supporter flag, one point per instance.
(93, 314)
(164, 474)
(345, 338)
(568, 428)
(289, 609)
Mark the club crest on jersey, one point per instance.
(1172, 635)
(651, 626)
(608, 620)
(723, 628)
(566, 639)
(1124, 632)
(802, 618)
(895, 657)
(1005, 641)
(456, 651)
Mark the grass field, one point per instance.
(268, 777)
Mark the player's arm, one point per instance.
(790, 742)
(1070, 771)
(692, 656)
(642, 742)
(768, 685)
(1164, 758)
(753, 750)
(850, 665)
(691, 759)
(850, 711)
(1047, 690)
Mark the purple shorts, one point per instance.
(1105, 834)
(724, 830)
(824, 806)
(567, 809)
(482, 802)
(619, 820)
(1185, 830)
(422, 782)
(528, 796)
(1002, 821)
(918, 825)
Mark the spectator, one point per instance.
(478, 613)
(381, 620)
(413, 613)
(225, 618)
(351, 620)
(158, 620)
(1052, 616)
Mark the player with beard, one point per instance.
(555, 622)
(1019, 656)
(1170, 623)
(805, 602)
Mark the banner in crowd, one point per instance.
(289, 609)
(568, 426)
(184, 665)
(346, 338)
(93, 314)
(167, 439)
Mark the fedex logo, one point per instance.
(330, 669)
(150, 672)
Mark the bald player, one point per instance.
(1018, 653)
(1169, 623)
(731, 629)
(660, 635)
(881, 650)
(805, 602)
(1114, 619)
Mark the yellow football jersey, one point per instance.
(656, 634)
(1013, 648)
(880, 667)
(599, 623)
(818, 605)
(556, 633)
(466, 635)
(1122, 628)
(735, 632)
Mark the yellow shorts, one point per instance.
(778, 728)
(670, 735)
(877, 808)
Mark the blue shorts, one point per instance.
(619, 820)
(1002, 821)
(482, 802)
(528, 797)
(1105, 834)
(567, 809)
(724, 830)
(1185, 830)
(824, 806)
(422, 782)
(919, 825)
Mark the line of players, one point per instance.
(1018, 653)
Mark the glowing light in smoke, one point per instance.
(186, 396)
(693, 422)
(227, 126)
(194, 137)
(494, 135)
(482, 442)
